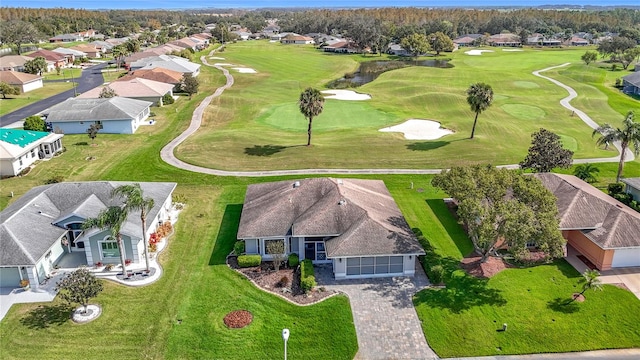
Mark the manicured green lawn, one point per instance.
(15, 102)
(256, 124)
(533, 303)
(65, 74)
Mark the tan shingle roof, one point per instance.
(360, 215)
(17, 78)
(14, 60)
(158, 74)
(606, 221)
(134, 88)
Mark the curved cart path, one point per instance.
(584, 117)
(167, 152)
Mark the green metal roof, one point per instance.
(21, 138)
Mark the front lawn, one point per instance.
(15, 102)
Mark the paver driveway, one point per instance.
(386, 321)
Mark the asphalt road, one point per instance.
(89, 79)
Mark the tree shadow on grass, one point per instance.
(45, 316)
(451, 225)
(266, 150)
(462, 291)
(563, 305)
(426, 145)
(226, 234)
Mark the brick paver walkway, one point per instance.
(386, 321)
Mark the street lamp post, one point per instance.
(285, 337)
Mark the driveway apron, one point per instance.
(386, 322)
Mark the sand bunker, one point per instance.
(512, 50)
(345, 95)
(417, 129)
(476, 52)
(245, 70)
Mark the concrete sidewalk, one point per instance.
(621, 354)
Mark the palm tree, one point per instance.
(629, 134)
(311, 105)
(479, 97)
(111, 218)
(590, 280)
(586, 172)
(134, 200)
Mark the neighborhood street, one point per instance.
(90, 78)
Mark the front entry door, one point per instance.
(310, 251)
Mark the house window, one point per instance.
(251, 246)
(109, 249)
(20, 160)
(81, 122)
(33, 153)
(293, 245)
(99, 124)
(267, 245)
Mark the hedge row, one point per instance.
(307, 276)
(249, 260)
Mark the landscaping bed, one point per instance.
(266, 278)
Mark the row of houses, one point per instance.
(536, 39)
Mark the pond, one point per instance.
(369, 71)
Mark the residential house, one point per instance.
(397, 50)
(542, 40)
(45, 224)
(56, 59)
(158, 74)
(296, 39)
(66, 38)
(632, 187)
(136, 88)
(103, 46)
(19, 149)
(599, 227)
(354, 225)
(71, 54)
(23, 81)
(576, 41)
(506, 40)
(116, 115)
(185, 43)
(343, 47)
(242, 35)
(467, 40)
(271, 29)
(14, 62)
(170, 62)
(631, 82)
(91, 50)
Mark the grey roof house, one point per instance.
(631, 82)
(632, 187)
(43, 225)
(599, 227)
(355, 225)
(116, 115)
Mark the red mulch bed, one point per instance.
(578, 297)
(489, 268)
(238, 319)
(270, 280)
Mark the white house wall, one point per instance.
(13, 166)
(108, 126)
(32, 85)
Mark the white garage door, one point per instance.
(626, 257)
(374, 265)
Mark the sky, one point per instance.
(190, 4)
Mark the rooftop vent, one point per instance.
(296, 184)
(342, 202)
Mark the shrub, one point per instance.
(293, 260)
(153, 247)
(24, 283)
(98, 264)
(284, 281)
(238, 247)
(307, 276)
(249, 260)
(127, 262)
(25, 171)
(54, 180)
(436, 274)
(615, 188)
(167, 99)
(108, 267)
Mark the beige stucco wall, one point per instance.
(599, 257)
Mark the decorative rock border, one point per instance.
(93, 311)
